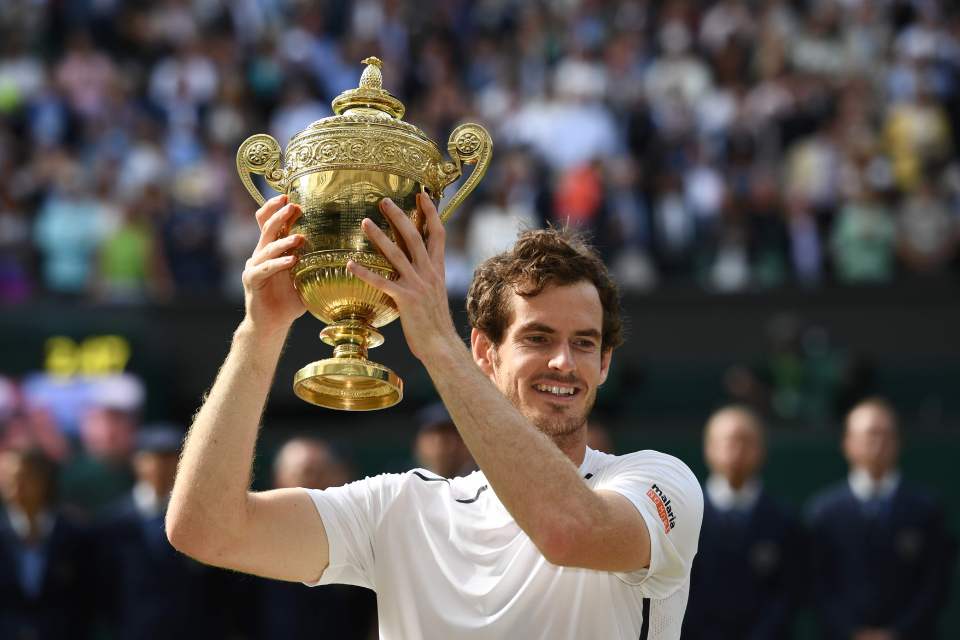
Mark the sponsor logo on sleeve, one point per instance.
(664, 508)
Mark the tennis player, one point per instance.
(548, 540)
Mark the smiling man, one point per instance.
(549, 539)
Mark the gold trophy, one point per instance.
(338, 169)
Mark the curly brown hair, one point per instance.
(541, 258)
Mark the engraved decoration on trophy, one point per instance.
(338, 169)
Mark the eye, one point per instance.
(535, 339)
(585, 344)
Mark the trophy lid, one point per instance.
(370, 94)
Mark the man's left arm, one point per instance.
(570, 523)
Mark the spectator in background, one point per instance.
(68, 231)
(100, 472)
(292, 611)
(747, 576)
(598, 437)
(863, 239)
(46, 568)
(438, 446)
(927, 231)
(148, 591)
(882, 556)
(132, 268)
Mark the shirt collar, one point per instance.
(724, 497)
(589, 458)
(864, 487)
(21, 524)
(148, 503)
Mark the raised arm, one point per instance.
(537, 483)
(213, 516)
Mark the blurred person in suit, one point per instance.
(289, 610)
(882, 555)
(100, 473)
(747, 576)
(438, 446)
(150, 590)
(44, 554)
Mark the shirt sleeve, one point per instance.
(351, 515)
(670, 500)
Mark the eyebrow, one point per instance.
(543, 328)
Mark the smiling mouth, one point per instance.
(557, 391)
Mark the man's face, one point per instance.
(550, 362)
(734, 447)
(159, 470)
(870, 442)
(21, 484)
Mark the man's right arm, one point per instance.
(213, 516)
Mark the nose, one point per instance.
(562, 359)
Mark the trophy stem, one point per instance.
(349, 380)
(351, 338)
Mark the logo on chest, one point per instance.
(664, 508)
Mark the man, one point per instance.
(308, 462)
(149, 590)
(882, 556)
(438, 446)
(45, 567)
(549, 540)
(287, 610)
(747, 576)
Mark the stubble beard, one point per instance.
(560, 424)
(558, 427)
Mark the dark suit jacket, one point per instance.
(888, 570)
(747, 574)
(151, 590)
(62, 607)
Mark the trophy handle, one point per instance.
(468, 144)
(261, 154)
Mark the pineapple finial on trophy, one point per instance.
(372, 77)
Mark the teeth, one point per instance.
(557, 391)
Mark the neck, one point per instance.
(736, 483)
(876, 474)
(573, 445)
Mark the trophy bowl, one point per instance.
(338, 170)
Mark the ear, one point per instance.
(605, 358)
(481, 347)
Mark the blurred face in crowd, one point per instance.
(156, 469)
(871, 442)
(24, 483)
(441, 450)
(308, 463)
(598, 438)
(733, 446)
(108, 434)
(550, 362)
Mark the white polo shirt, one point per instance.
(448, 561)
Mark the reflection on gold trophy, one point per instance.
(338, 169)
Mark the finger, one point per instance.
(436, 234)
(257, 275)
(403, 227)
(274, 226)
(278, 248)
(394, 255)
(373, 279)
(269, 208)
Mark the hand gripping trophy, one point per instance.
(338, 169)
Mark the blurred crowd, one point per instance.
(84, 554)
(735, 144)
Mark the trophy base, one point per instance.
(349, 384)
